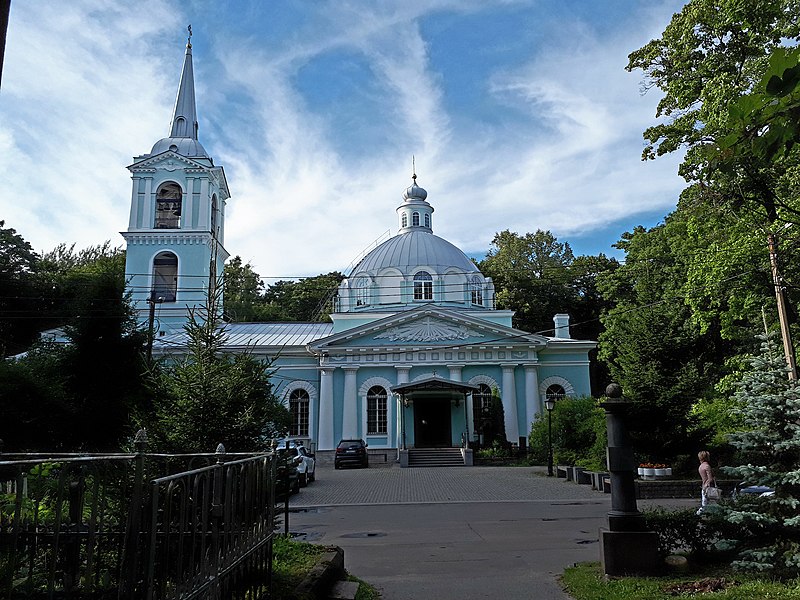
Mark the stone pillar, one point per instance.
(325, 439)
(625, 547)
(510, 404)
(532, 404)
(350, 410)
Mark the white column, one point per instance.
(402, 377)
(187, 210)
(204, 216)
(325, 434)
(510, 404)
(531, 394)
(148, 218)
(455, 372)
(350, 410)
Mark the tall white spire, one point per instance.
(184, 116)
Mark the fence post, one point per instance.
(216, 518)
(127, 588)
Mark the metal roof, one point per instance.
(413, 249)
(260, 335)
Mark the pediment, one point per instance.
(168, 161)
(429, 326)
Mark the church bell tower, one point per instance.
(175, 235)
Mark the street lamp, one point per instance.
(550, 404)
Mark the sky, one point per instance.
(519, 115)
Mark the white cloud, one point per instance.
(90, 85)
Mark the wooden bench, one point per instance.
(597, 479)
(562, 471)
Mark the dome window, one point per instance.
(165, 277)
(427, 220)
(423, 285)
(362, 291)
(168, 207)
(415, 219)
(404, 220)
(476, 290)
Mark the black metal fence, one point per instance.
(137, 526)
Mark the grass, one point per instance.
(293, 560)
(586, 582)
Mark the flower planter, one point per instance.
(640, 471)
(648, 472)
(660, 472)
(668, 471)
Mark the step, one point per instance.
(344, 590)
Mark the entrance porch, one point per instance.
(435, 414)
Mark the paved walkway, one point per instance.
(393, 485)
(459, 533)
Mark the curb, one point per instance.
(321, 578)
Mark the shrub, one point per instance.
(579, 434)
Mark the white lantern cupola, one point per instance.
(415, 214)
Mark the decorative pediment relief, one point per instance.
(427, 330)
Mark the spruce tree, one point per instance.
(768, 527)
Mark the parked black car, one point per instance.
(351, 452)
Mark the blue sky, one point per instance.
(519, 113)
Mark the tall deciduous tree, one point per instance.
(531, 276)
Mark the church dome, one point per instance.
(409, 251)
(415, 192)
(184, 146)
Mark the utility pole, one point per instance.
(788, 348)
(152, 301)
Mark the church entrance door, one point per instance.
(432, 426)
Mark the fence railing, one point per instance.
(132, 526)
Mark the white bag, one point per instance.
(713, 493)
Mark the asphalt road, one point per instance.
(454, 533)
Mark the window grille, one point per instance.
(298, 407)
(376, 410)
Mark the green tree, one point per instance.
(80, 395)
(531, 276)
(308, 299)
(208, 396)
(769, 405)
(664, 362)
(20, 319)
(244, 291)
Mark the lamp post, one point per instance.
(550, 404)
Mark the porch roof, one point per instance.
(434, 382)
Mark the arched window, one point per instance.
(376, 410)
(415, 219)
(427, 220)
(555, 392)
(298, 407)
(476, 290)
(165, 277)
(481, 403)
(404, 220)
(423, 286)
(362, 291)
(168, 207)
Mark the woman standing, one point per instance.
(706, 478)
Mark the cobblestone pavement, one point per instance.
(393, 485)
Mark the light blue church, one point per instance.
(416, 344)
